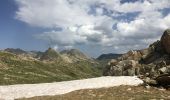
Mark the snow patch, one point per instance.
(12, 92)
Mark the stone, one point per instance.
(129, 89)
(163, 70)
(113, 62)
(150, 81)
(163, 80)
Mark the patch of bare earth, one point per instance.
(114, 93)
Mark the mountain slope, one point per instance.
(16, 70)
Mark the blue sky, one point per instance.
(93, 26)
(15, 33)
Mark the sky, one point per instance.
(93, 26)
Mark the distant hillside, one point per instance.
(108, 56)
(51, 67)
(15, 51)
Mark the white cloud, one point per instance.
(102, 25)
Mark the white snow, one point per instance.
(12, 92)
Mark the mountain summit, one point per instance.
(50, 55)
(75, 55)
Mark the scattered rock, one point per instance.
(129, 89)
(147, 87)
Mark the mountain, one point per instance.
(151, 64)
(51, 67)
(108, 56)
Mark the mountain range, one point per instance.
(25, 67)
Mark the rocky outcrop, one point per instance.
(125, 67)
(165, 41)
(151, 64)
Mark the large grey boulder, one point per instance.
(125, 68)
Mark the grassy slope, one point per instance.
(14, 70)
(114, 93)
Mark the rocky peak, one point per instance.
(50, 55)
(75, 53)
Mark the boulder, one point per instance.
(113, 62)
(163, 80)
(125, 67)
(150, 81)
(165, 41)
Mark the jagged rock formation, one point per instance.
(150, 63)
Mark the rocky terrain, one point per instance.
(151, 64)
(26, 67)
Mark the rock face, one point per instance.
(151, 63)
(165, 41)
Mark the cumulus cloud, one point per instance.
(100, 23)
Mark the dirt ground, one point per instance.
(113, 93)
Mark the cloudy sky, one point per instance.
(93, 26)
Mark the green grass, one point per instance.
(14, 70)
